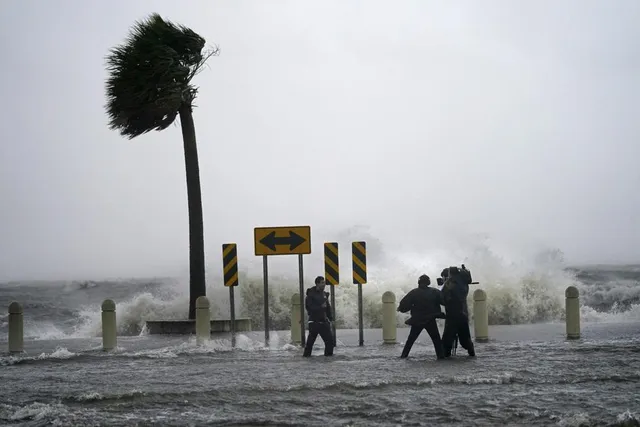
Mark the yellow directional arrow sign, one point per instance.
(282, 240)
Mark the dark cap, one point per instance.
(319, 279)
(424, 279)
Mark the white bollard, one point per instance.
(109, 327)
(389, 317)
(16, 330)
(296, 320)
(480, 316)
(203, 320)
(572, 307)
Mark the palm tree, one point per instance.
(148, 86)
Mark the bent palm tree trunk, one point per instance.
(197, 285)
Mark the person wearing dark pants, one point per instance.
(457, 325)
(454, 292)
(432, 329)
(319, 313)
(324, 330)
(424, 303)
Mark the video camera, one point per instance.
(453, 271)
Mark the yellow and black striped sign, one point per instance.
(331, 263)
(359, 254)
(230, 264)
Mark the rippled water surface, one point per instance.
(527, 375)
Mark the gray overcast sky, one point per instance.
(510, 118)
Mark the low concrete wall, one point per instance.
(188, 327)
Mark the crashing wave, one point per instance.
(521, 288)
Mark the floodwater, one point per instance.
(526, 375)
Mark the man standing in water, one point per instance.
(424, 303)
(319, 312)
(454, 292)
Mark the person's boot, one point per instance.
(446, 352)
(471, 350)
(405, 352)
(307, 351)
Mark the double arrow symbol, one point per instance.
(293, 240)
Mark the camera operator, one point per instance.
(455, 289)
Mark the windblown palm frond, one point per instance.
(150, 75)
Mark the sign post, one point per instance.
(295, 240)
(332, 276)
(230, 274)
(301, 290)
(265, 277)
(359, 255)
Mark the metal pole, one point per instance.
(360, 314)
(232, 305)
(301, 273)
(333, 315)
(265, 272)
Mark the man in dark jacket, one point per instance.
(319, 312)
(424, 303)
(454, 292)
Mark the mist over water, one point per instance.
(522, 286)
(339, 135)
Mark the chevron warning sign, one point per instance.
(359, 255)
(230, 264)
(331, 263)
